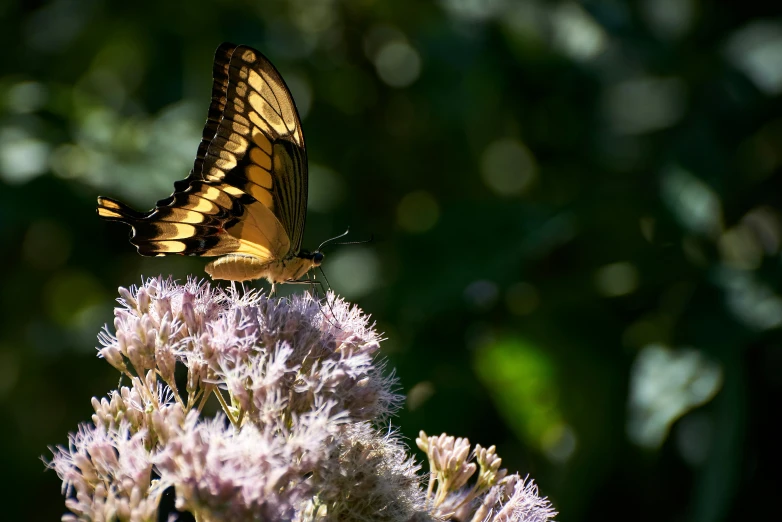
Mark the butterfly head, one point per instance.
(316, 257)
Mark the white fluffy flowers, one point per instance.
(302, 394)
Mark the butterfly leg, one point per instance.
(274, 289)
(313, 284)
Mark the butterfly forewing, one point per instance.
(247, 192)
(259, 145)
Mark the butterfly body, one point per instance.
(235, 267)
(245, 199)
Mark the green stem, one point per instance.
(225, 407)
(204, 397)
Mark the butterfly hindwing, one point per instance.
(193, 224)
(213, 117)
(290, 188)
(247, 192)
(217, 105)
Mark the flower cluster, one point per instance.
(300, 392)
(495, 496)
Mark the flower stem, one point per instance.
(225, 407)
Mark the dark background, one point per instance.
(576, 211)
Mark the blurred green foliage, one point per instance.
(576, 209)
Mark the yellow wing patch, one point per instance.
(262, 141)
(260, 234)
(183, 215)
(106, 213)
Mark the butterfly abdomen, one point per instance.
(236, 267)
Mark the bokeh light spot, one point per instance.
(508, 167)
(765, 224)
(22, 156)
(417, 212)
(757, 51)
(419, 394)
(752, 301)
(25, 97)
(694, 203)
(520, 378)
(71, 161)
(473, 10)
(312, 16)
(644, 105)
(398, 64)
(481, 294)
(354, 271)
(664, 385)
(576, 33)
(616, 279)
(99, 126)
(740, 249)
(559, 443)
(668, 19)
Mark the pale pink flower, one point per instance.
(302, 391)
(107, 475)
(494, 497)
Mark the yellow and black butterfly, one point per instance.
(246, 198)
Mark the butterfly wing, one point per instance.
(259, 144)
(247, 192)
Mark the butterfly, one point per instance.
(245, 200)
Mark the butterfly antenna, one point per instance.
(345, 233)
(371, 238)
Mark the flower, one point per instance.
(302, 392)
(374, 479)
(107, 475)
